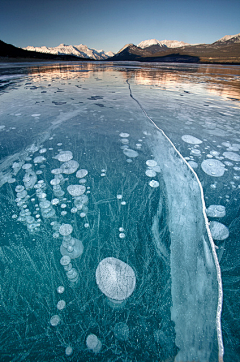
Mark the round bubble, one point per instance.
(65, 260)
(213, 167)
(65, 229)
(68, 351)
(82, 173)
(60, 289)
(121, 331)
(150, 173)
(231, 156)
(216, 211)
(56, 171)
(26, 166)
(93, 343)
(130, 153)
(124, 135)
(191, 139)
(76, 190)
(55, 320)
(153, 183)
(195, 152)
(193, 164)
(218, 231)
(69, 167)
(61, 304)
(151, 163)
(64, 156)
(39, 159)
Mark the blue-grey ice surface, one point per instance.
(119, 160)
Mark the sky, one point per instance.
(110, 24)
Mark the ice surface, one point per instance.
(161, 232)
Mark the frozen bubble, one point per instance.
(115, 279)
(69, 167)
(55, 320)
(153, 183)
(86, 225)
(130, 153)
(151, 163)
(228, 163)
(36, 115)
(123, 203)
(74, 210)
(55, 182)
(226, 144)
(236, 168)
(193, 164)
(63, 206)
(64, 156)
(218, 231)
(129, 160)
(216, 211)
(39, 172)
(56, 171)
(39, 159)
(213, 167)
(121, 229)
(191, 139)
(214, 153)
(231, 156)
(93, 343)
(82, 214)
(124, 135)
(65, 229)
(82, 181)
(55, 235)
(42, 150)
(65, 260)
(119, 197)
(82, 173)
(125, 141)
(121, 331)
(150, 173)
(68, 351)
(14, 216)
(103, 174)
(60, 289)
(55, 201)
(63, 213)
(195, 152)
(26, 166)
(76, 190)
(19, 188)
(72, 274)
(61, 304)
(122, 235)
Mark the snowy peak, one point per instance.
(78, 50)
(229, 39)
(162, 43)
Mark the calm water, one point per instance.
(138, 163)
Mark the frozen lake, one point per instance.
(120, 216)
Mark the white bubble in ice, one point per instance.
(125, 141)
(68, 351)
(119, 197)
(55, 181)
(69, 167)
(122, 235)
(231, 156)
(191, 139)
(150, 173)
(123, 203)
(195, 152)
(218, 230)
(55, 201)
(61, 304)
(86, 225)
(153, 183)
(39, 159)
(26, 166)
(56, 171)
(65, 260)
(124, 135)
(39, 172)
(76, 190)
(115, 279)
(64, 156)
(130, 153)
(216, 211)
(19, 188)
(151, 163)
(60, 289)
(103, 174)
(74, 210)
(63, 206)
(82, 173)
(93, 343)
(55, 320)
(193, 164)
(82, 214)
(65, 229)
(121, 229)
(36, 115)
(121, 331)
(63, 213)
(42, 150)
(213, 167)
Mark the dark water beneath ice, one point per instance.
(151, 216)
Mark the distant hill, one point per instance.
(8, 51)
(224, 51)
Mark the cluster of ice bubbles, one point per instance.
(153, 167)
(215, 166)
(115, 279)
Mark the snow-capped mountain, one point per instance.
(77, 50)
(229, 39)
(162, 43)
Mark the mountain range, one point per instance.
(224, 50)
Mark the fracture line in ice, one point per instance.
(219, 279)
